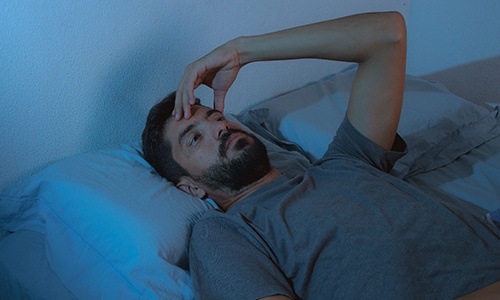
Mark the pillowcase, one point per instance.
(114, 228)
(310, 116)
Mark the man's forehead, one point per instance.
(174, 127)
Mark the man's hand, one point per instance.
(217, 70)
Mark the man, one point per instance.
(345, 229)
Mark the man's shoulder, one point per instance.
(216, 228)
(213, 218)
(209, 225)
(211, 215)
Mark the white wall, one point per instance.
(81, 75)
(457, 42)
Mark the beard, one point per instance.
(232, 175)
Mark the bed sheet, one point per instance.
(473, 177)
(24, 270)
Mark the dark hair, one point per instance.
(157, 149)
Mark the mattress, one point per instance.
(471, 177)
(24, 270)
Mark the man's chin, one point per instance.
(241, 168)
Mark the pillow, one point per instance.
(114, 228)
(309, 117)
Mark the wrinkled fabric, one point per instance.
(346, 229)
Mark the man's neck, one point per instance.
(225, 201)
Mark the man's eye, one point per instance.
(194, 139)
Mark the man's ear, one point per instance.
(189, 186)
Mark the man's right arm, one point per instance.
(376, 41)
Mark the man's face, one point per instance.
(215, 152)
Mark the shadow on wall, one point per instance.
(476, 81)
(137, 79)
(116, 107)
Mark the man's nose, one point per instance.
(219, 129)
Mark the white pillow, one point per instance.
(113, 228)
(309, 116)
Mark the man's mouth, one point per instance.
(232, 140)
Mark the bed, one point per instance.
(104, 225)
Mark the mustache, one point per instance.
(225, 137)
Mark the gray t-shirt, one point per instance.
(344, 230)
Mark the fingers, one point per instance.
(183, 102)
(217, 70)
(184, 96)
(219, 99)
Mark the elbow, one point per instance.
(395, 28)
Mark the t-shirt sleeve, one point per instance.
(228, 263)
(349, 143)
